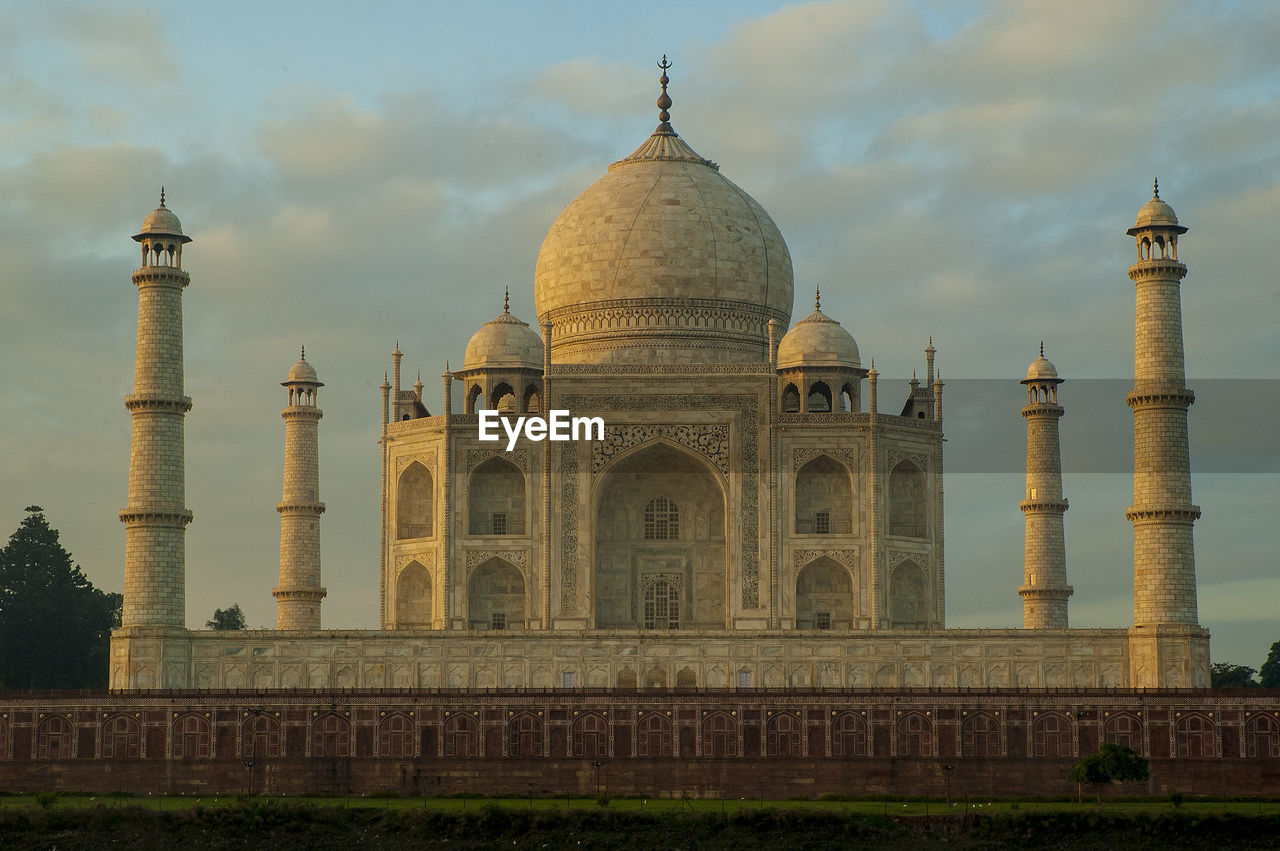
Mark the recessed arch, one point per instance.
(818, 399)
(502, 398)
(790, 400)
(192, 737)
(415, 502)
(980, 735)
(908, 601)
(823, 498)
(824, 596)
(1051, 735)
(532, 400)
(659, 530)
(121, 738)
(397, 735)
(55, 738)
(330, 736)
(473, 395)
(496, 597)
(908, 503)
(413, 597)
(496, 498)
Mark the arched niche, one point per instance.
(908, 503)
(660, 533)
(908, 606)
(495, 498)
(818, 399)
(496, 596)
(824, 596)
(790, 400)
(532, 400)
(413, 597)
(503, 398)
(474, 394)
(415, 503)
(824, 498)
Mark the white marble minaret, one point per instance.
(156, 516)
(299, 593)
(1044, 590)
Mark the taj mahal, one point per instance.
(761, 512)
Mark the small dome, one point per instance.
(504, 342)
(818, 340)
(161, 222)
(1041, 370)
(303, 373)
(1156, 213)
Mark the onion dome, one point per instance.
(1041, 371)
(663, 259)
(161, 222)
(302, 373)
(1156, 214)
(818, 341)
(504, 342)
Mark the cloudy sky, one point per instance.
(353, 174)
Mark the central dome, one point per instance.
(663, 260)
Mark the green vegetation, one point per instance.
(1270, 670)
(1226, 675)
(228, 618)
(670, 823)
(1111, 764)
(55, 627)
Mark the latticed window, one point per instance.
(822, 523)
(1051, 736)
(498, 620)
(1196, 737)
(1262, 737)
(590, 736)
(192, 738)
(822, 620)
(980, 736)
(499, 524)
(661, 520)
(849, 736)
(661, 606)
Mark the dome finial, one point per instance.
(162, 195)
(664, 99)
(506, 299)
(1155, 188)
(817, 298)
(1042, 348)
(304, 353)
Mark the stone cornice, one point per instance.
(1161, 269)
(1160, 396)
(157, 402)
(157, 516)
(301, 592)
(1043, 506)
(1062, 592)
(300, 507)
(1162, 513)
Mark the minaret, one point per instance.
(299, 593)
(156, 515)
(1164, 573)
(1044, 590)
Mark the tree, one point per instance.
(1111, 764)
(1226, 675)
(228, 618)
(1270, 670)
(55, 627)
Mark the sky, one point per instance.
(357, 174)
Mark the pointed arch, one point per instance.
(503, 398)
(980, 735)
(122, 738)
(719, 735)
(686, 678)
(590, 736)
(1051, 735)
(397, 734)
(413, 597)
(915, 735)
(262, 737)
(790, 399)
(818, 399)
(908, 501)
(627, 679)
(782, 735)
(653, 736)
(461, 736)
(1262, 737)
(1195, 736)
(849, 735)
(532, 400)
(496, 596)
(330, 736)
(824, 596)
(661, 560)
(192, 737)
(496, 498)
(55, 738)
(823, 498)
(474, 392)
(415, 502)
(524, 735)
(1123, 729)
(655, 678)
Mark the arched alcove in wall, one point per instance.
(824, 498)
(908, 604)
(414, 503)
(824, 596)
(496, 498)
(908, 505)
(413, 597)
(661, 560)
(496, 597)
